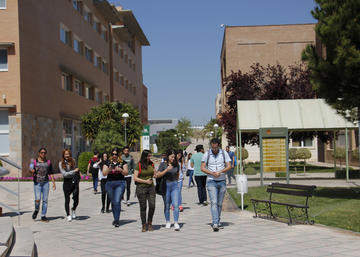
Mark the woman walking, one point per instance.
(170, 169)
(67, 167)
(104, 160)
(182, 166)
(145, 189)
(190, 170)
(41, 168)
(115, 171)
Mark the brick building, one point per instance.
(57, 60)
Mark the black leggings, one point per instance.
(201, 187)
(71, 188)
(128, 185)
(104, 195)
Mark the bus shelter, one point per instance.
(294, 115)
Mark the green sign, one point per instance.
(146, 131)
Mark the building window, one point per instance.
(121, 80)
(77, 5)
(2, 4)
(116, 76)
(4, 133)
(67, 132)
(104, 67)
(3, 60)
(88, 54)
(116, 47)
(87, 15)
(97, 62)
(77, 45)
(79, 88)
(65, 35)
(103, 33)
(121, 53)
(130, 63)
(95, 24)
(106, 98)
(98, 97)
(305, 142)
(66, 82)
(126, 58)
(133, 67)
(126, 84)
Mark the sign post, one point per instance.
(274, 151)
(145, 138)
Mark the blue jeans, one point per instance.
(171, 198)
(180, 184)
(216, 190)
(191, 174)
(115, 190)
(41, 191)
(95, 183)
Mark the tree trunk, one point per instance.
(304, 167)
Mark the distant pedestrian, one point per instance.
(130, 162)
(200, 177)
(94, 171)
(170, 169)
(67, 167)
(104, 160)
(215, 163)
(145, 189)
(182, 171)
(41, 168)
(115, 185)
(190, 170)
(230, 173)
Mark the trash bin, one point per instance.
(242, 184)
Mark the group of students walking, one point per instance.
(116, 171)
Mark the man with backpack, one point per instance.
(215, 163)
(94, 171)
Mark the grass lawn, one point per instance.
(336, 207)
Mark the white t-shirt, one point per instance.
(189, 165)
(216, 163)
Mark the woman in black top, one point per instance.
(104, 160)
(170, 171)
(115, 185)
(71, 182)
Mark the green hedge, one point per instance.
(280, 174)
(250, 171)
(352, 174)
(83, 161)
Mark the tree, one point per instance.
(264, 83)
(167, 140)
(184, 128)
(106, 140)
(303, 154)
(293, 156)
(209, 129)
(108, 117)
(335, 74)
(340, 155)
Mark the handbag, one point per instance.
(188, 173)
(160, 187)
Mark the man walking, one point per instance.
(131, 165)
(200, 177)
(230, 173)
(215, 163)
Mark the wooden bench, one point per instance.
(300, 191)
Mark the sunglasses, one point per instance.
(42, 152)
(114, 154)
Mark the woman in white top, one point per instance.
(190, 170)
(182, 171)
(104, 160)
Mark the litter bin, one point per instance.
(242, 184)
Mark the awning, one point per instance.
(295, 114)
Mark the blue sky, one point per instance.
(181, 67)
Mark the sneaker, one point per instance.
(127, 203)
(215, 228)
(124, 202)
(181, 208)
(102, 210)
(95, 192)
(168, 224)
(176, 227)
(44, 219)
(205, 203)
(69, 218)
(108, 210)
(220, 225)
(35, 213)
(117, 224)
(73, 214)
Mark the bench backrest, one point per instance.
(291, 189)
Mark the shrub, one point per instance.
(303, 154)
(280, 174)
(355, 154)
(83, 161)
(0, 164)
(250, 171)
(340, 154)
(341, 174)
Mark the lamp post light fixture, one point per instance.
(125, 116)
(215, 128)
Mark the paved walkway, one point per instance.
(93, 235)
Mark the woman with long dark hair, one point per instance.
(190, 170)
(170, 169)
(115, 171)
(67, 167)
(182, 166)
(104, 160)
(145, 190)
(41, 168)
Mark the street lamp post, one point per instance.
(215, 128)
(125, 116)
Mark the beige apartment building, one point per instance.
(58, 59)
